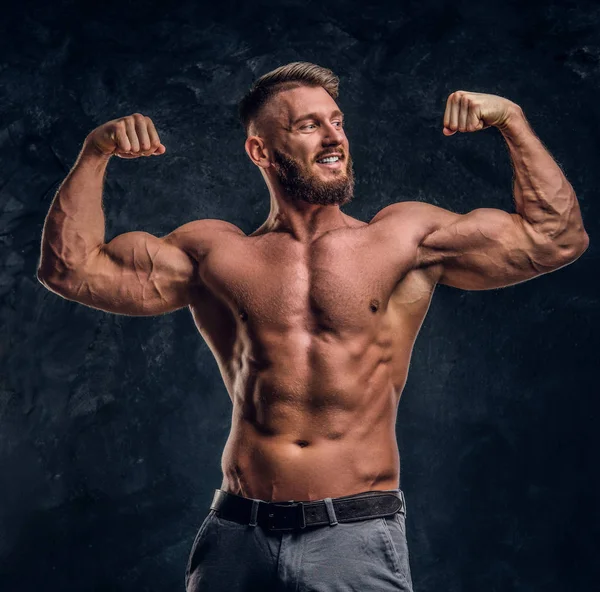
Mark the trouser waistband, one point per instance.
(292, 515)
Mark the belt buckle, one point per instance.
(290, 515)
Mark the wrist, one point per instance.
(515, 124)
(90, 150)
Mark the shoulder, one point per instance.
(416, 220)
(197, 237)
(425, 213)
(207, 226)
(417, 217)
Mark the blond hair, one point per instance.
(283, 78)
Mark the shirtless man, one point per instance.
(311, 318)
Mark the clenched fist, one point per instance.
(471, 112)
(127, 137)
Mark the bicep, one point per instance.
(486, 248)
(136, 273)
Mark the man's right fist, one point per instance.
(127, 137)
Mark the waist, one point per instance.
(291, 515)
(278, 468)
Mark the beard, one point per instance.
(300, 184)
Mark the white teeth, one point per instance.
(329, 159)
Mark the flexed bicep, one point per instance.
(486, 248)
(138, 274)
(134, 274)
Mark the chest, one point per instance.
(339, 283)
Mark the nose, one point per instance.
(332, 134)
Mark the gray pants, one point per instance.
(362, 556)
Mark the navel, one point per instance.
(302, 443)
(374, 305)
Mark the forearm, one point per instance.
(74, 226)
(543, 195)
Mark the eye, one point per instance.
(308, 125)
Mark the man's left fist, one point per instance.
(471, 112)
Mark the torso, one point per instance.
(313, 342)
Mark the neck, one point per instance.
(303, 221)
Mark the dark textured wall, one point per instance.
(111, 427)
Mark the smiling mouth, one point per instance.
(331, 165)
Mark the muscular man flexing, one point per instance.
(312, 319)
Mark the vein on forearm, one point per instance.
(543, 195)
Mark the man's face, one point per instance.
(307, 125)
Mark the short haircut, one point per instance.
(283, 78)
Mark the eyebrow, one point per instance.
(334, 113)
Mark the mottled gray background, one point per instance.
(111, 427)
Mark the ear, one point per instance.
(257, 151)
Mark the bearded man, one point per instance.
(312, 320)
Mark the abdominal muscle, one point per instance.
(286, 444)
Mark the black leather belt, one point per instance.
(291, 515)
